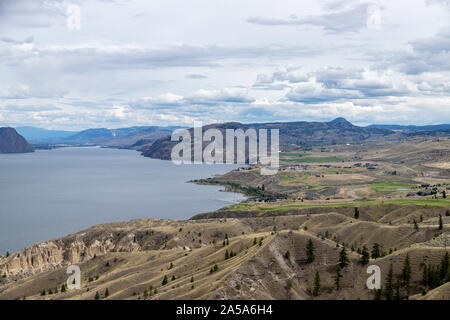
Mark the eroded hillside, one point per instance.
(260, 257)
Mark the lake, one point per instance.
(52, 193)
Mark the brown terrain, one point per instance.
(132, 258)
(389, 196)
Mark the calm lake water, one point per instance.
(52, 193)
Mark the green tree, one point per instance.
(356, 215)
(389, 291)
(406, 271)
(192, 279)
(447, 213)
(378, 294)
(106, 293)
(226, 254)
(287, 255)
(63, 287)
(425, 276)
(397, 290)
(376, 251)
(97, 296)
(343, 259)
(164, 282)
(444, 267)
(365, 256)
(310, 256)
(337, 278)
(316, 290)
(441, 224)
(416, 226)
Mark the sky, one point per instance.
(77, 64)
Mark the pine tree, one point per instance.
(444, 267)
(287, 255)
(444, 195)
(226, 254)
(337, 278)
(97, 296)
(376, 252)
(310, 256)
(425, 276)
(356, 215)
(397, 290)
(416, 226)
(441, 225)
(343, 259)
(365, 256)
(378, 294)
(406, 271)
(63, 288)
(316, 290)
(192, 279)
(389, 291)
(164, 282)
(106, 293)
(447, 213)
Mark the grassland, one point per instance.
(314, 159)
(388, 187)
(281, 206)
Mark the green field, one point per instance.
(245, 206)
(388, 187)
(315, 159)
(294, 154)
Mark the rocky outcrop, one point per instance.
(12, 142)
(49, 255)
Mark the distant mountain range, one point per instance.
(155, 142)
(299, 133)
(33, 134)
(438, 127)
(12, 142)
(122, 137)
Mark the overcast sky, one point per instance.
(170, 62)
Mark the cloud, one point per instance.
(33, 14)
(430, 54)
(349, 19)
(12, 41)
(199, 97)
(97, 56)
(196, 76)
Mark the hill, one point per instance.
(39, 135)
(12, 142)
(268, 259)
(300, 133)
(121, 137)
(411, 128)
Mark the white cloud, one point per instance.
(141, 62)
